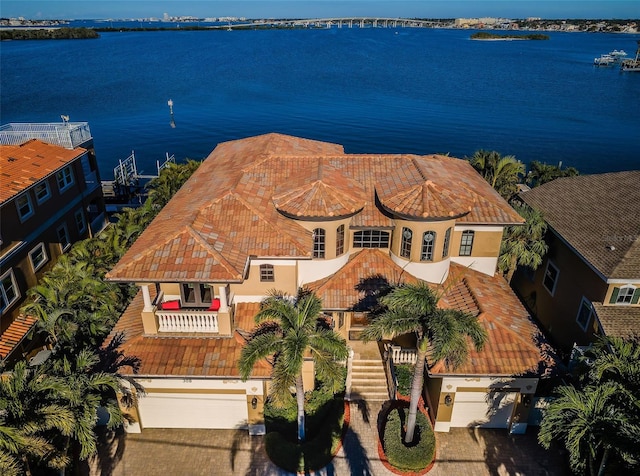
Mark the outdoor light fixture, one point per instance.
(254, 402)
(448, 401)
(526, 400)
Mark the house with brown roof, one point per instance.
(589, 283)
(280, 212)
(50, 197)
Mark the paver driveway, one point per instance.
(230, 452)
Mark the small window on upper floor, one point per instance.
(445, 244)
(81, 224)
(24, 206)
(318, 243)
(42, 192)
(584, 314)
(466, 242)
(625, 295)
(340, 240)
(196, 294)
(371, 239)
(405, 244)
(550, 280)
(63, 237)
(9, 293)
(267, 274)
(38, 257)
(428, 245)
(64, 178)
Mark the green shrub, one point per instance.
(404, 375)
(317, 451)
(414, 456)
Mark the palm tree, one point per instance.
(442, 334)
(163, 187)
(288, 330)
(503, 173)
(32, 412)
(540, 173)
(523, 245)
(617, 360)
(592, 425)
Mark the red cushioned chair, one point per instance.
(215, 305)
(170, 305)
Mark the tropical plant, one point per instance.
(598, 418)
(541, 172)
(502, 172)
(523, 245)
(32, 413)
(442, 334)
(592, 425)
(289, 329)
(163, 187)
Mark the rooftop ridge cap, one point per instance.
(223, 261)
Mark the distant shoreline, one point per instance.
(486, 36)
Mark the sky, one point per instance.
(90, 9)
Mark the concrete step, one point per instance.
(368, 381)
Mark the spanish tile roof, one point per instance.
(228, 212)
(598, 215)
(618, 321)
(187, 356)
(514, 345)
(21, 166)
(16, 331)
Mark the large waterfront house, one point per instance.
(589, 282)
(50, 197)
(281, 212)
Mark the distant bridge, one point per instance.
(348, 22)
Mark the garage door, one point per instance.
(480, 409)
(193, 410)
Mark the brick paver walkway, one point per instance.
(463, 451)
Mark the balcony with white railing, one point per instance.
(187, 320)
(402, 355)
(65, 134)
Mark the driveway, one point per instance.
(463, 451)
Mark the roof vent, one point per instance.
(611, 247)
(12, 159)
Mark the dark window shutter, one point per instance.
(636, 296)
(614, 296)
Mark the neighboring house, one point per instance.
(280, 212)
(50, 197)
(589, 282)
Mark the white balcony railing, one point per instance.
(187, 321)
(66, 134)
(401, 355)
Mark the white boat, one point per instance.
(604, 60)
(618, 55)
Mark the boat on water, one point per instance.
(632, 65)
(611, 58)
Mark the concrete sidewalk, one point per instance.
(463, 451)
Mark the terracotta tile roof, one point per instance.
(182, 356)
(365, 272)
(594, 213)
(21, 166)
(514, 340)
(16, 331)
(229, 204)
(618, 321)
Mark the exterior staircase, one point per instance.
(368, 381)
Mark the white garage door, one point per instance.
(193, 410)
(480, 409)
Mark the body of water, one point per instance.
(399, 90)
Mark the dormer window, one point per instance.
(428, 245)
(625, 295)
(405, 245)
(318, 243)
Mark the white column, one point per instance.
(147, 298)
(222, 292)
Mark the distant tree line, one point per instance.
(49, 34)
(485, 35)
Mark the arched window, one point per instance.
(625, 295)
(340, 240)
(405, 245)
(466, 242)
(318, 243)
(428, 245)
(445, 245)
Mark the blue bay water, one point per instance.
(373, 90)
